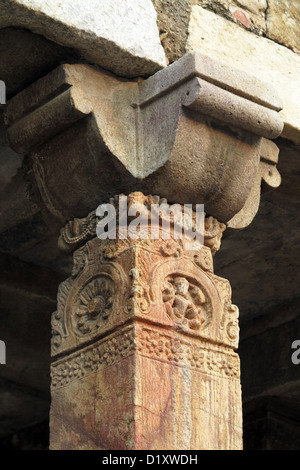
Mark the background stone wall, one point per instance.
(261, 37)
(278, 20)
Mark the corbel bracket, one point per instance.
(195, 132)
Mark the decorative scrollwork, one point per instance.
(58, 329)
(77, 232)
(80, 259)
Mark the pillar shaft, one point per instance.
(143, 346)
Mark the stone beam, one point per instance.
(272, 62)
(172, 126)
(120, 36)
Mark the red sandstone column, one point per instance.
(143, 346)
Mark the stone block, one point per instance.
(267, 60)
(249, 14)
(283, 22)
(144, 388)
(118, 35)
(170, 128)
(173, 19)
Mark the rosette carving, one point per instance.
(94, 306)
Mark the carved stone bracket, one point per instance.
(196, 131)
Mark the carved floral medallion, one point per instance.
(94, 305)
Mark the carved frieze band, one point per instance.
(150, 343)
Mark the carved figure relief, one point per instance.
(185, 302)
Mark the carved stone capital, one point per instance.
(195, 132)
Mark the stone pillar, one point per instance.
(144, 334)
(143, 345)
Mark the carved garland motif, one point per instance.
(163, 346)
(150, 343)
(80, 260)
(230, 321)
(92, 358)
(78, 231)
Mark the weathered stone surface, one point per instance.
(141, 389)
(149, 316)
(172, 20)
(164, 135)
(269, 61)
(277, 19)
(255, 6)
(261, 259)
(249, 14)
(120, 36)
(283, 22)
(42, 56)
